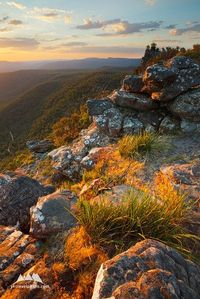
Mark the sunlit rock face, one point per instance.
(149, 269)
(164, 83)
(18, 252)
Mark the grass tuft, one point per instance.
(141, 144)
(139, 215)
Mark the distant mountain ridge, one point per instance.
(88, 63)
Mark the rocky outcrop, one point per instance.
(133, 83)
(164, 83)
(166, 97)
(53, 214)
(99, 106)
(186, 177)
(18, 193)
(133, 100)
(187, 106)
(149, 269)
(70, 161)
(17, 253)
(41, 146)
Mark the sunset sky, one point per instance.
(68, 29)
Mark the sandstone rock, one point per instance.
(52, 214)
(188, 126)
(187, 106)
(97, 107)
(133, 100)
(41, 146)
(158, 75)
(69, 161)
(164, 83)
(17, 194)
(168, 125)
(132, 125)
(17, 253)
(132, 83)
(110, 122)
(149, 269)
(186, 177)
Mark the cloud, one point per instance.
(108, 49)
(16, 5)
(90, 24)
(68, 19)
(75, 44)
(194, 28)
(150, 2)
(118, 27)
(19, 43)
(172, 26)
(50, 15)
(15, 22)
(4, 19)
(5, 29)
(167, 41)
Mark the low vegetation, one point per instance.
(66, 129)
(141, 144)
(138, 215)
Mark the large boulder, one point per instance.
(150, 270)
(97, 107)
(53, 214)
(39, 146)
(187, 106)
(134, 101)
(17, 194)
(132, 83)
(164, 83)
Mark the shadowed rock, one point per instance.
(53, 214)
(18, 193)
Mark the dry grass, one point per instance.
(141, 144)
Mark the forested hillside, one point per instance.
(32, 114)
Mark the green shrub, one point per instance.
(139, 215)
(140, 144)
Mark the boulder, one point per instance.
(187, 106)
(132, 83)
(115, 194)
(164, 83)
(169, 125)
(133, 101)
(53, 214)
(18, 251)
(18, 193)
(97, 107)
(149, 269)
(186, 177)
(69, 161)
(39, 146)
(110, 122)
(188, 126)
(132, 125)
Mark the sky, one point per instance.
(74, 29)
